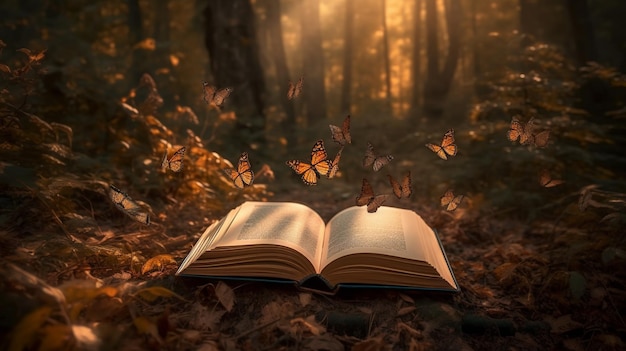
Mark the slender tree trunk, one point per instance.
(582, 28)
(346, 86)
(280, 61)
(416, 59)
(438, 83)
(386, 56)
(230, 38)
(313, 61)
(136, 34)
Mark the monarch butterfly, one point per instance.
(401, 190)
(242, 176)
(295, 90)
(524, 133)
(367, 197)
(546, 180)
(319, 166)
(125, 204)
(450, 201)
(541, 139)
(213, 96)
(447, 147)
(372, 159)
(174, 163)
(341, 135)
(335, 164)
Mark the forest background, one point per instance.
(94, 93)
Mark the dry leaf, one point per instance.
(152, 293)
(56, 337)
(225, 295)
(405, 310)
(5, 68)
(24, 332)
(305, 298)
(157, 262)
(146, 326)
(563, 324)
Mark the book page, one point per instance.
(389, 231)
(280, 223)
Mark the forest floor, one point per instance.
(522, 288)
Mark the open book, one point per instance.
(285, 241)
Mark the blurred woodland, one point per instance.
(95, 93)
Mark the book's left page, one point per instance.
(277, 223)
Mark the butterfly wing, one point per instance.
(527, 135)
(319, 158)
(454, 203)
(395, 186)
(380, 161)
(447, 198)
(366, 195)
(309, 177)
(546, 180)
(345, 129)
(376, 202)
(341, 135)
(335, 164)
(244, 171)
(164, 162)
(541, 139)
(117, 195)
(406, 185)
(298, 87)
(370, 156)
(515, 130)
(175, 163)
(221, 95)
(438, 150)
(447, 144)
(291, 91)
(125, 204)
(209, 92)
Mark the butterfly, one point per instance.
(243, 175)
(447, 147)
(450, 201)
(295, 90)
(319, 166)
(372, 159)
(524, 133)
(401, 190)
(541, 139)
(125, 204)
(341, 135)
(546, 180)
(213, 96)
(335, 164)
(175, 163)
(367, 197)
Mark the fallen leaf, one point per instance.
(305, 298)
(24, 332)
(157, 262)
(225, 295)
(146, 326)
(56, 337)
(563, 324)
(152, 293)
(405, 310)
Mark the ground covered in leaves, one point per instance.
(539, 267)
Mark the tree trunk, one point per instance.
(438, 83)
(280, 61)
(346, 86)
(313, 61)
(230, 39)
(136, 34)
(386, 56)
(416, 60)
(584, 41)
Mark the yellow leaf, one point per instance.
(24, 332)
(80, 290)
(56, 337)
(157, 262)
(146, 326)
(152, 293)
(226, 295)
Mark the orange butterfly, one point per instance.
(174, 163)
(125, 204)
(295, 90)
(341, 135)
(367, 197)
(335, 164)
(213, 96)
(447, 147)
(372, 159)
(401, 190)
(546, 180)
(319, 166)
(450, 201)
(242, 176)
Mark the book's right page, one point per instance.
(389, 231)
